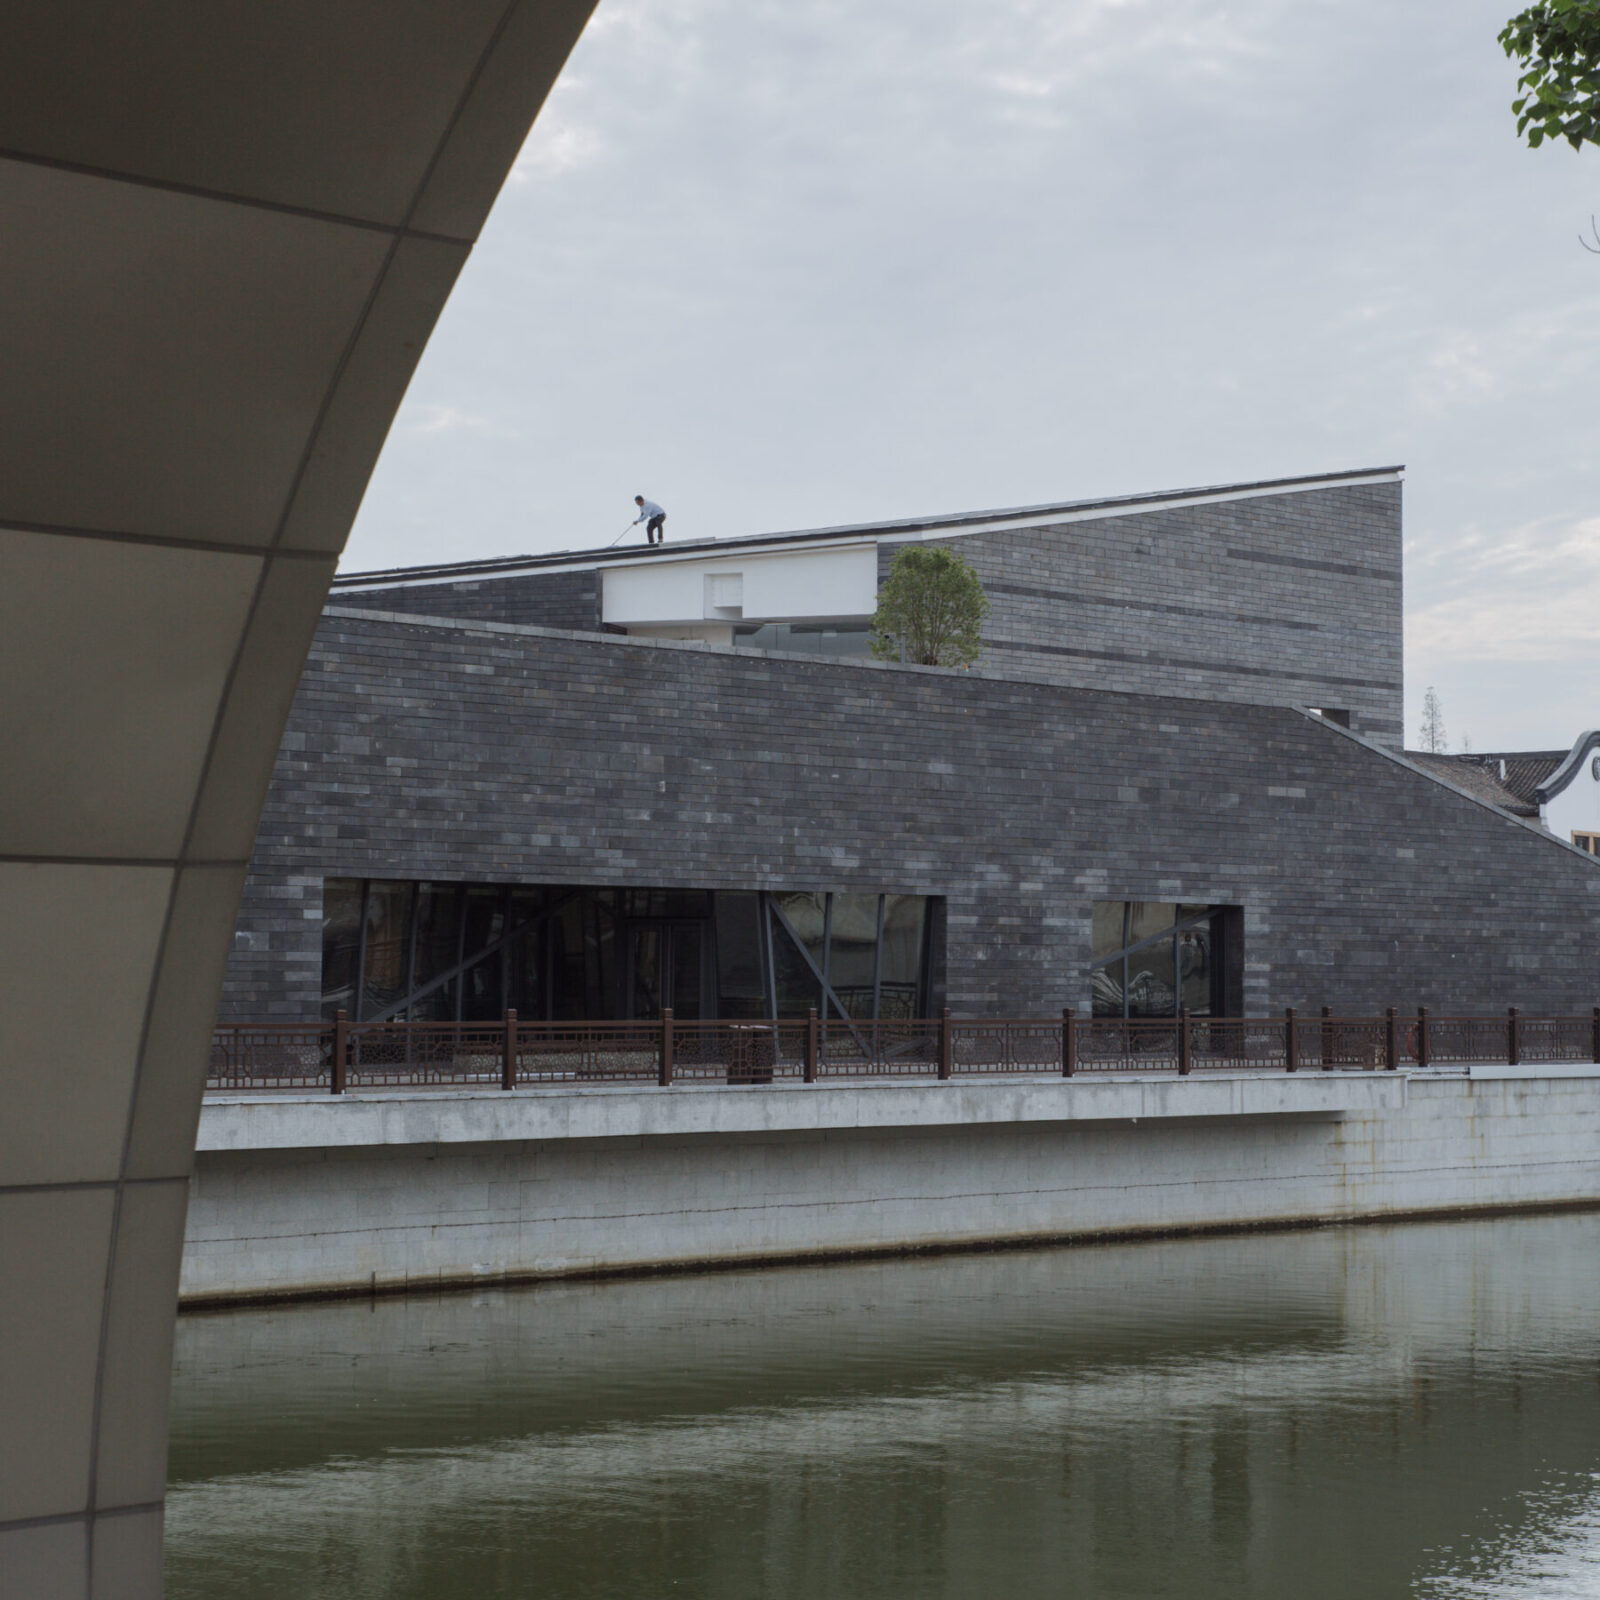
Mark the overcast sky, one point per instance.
(784, 265)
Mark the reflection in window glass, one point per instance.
(388, 946)
(438, 950)
(797, 990)
(443, 952)
(1169, 960)
(1109, 993)
(525, 958)
(1146, 918)
(904, 926)
(685, 950)
(437, 1005)
(482, 925)
(666, 903)
(807, 914)
(813, 638)
(1194, 969)
(853, 952)
(903, 917)
(603, 973)
(568, 1000)
(648, 943)
(1152, 988)
(741, 984)
(1109, 928)
(341, 943)
(667, 967)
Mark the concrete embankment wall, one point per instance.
(307, 1196)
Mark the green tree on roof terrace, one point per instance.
(931, 609)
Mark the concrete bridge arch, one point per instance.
(226, 233)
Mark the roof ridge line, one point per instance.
(951, 522)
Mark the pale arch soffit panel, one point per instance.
(226, 233)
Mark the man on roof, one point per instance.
(653, 518)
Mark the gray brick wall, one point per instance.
(540, 599)
(1283, 599)
(459, 751)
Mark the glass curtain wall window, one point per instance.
(860, 956)
(852, 637)
(1152, 958)
(443, 952)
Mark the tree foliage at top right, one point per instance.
(1557, 44)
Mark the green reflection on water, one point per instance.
(1362, 1412)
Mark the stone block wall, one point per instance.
(541, 599)
(1284, 598)
(481, 752)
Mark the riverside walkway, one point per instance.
(508, 1054)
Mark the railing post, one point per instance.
(1596, 1050)
(508, 1054)
(665, 1075)
(1423, 1055)
(811, 1046)
(1391, 1039)
(1327, 1039)
(1291, 1041)
(1069, 1041)
(341, 1044)
(946, 1050)
(1513, 1037)
(1183, 1041)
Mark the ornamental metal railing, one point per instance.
(341, 1055)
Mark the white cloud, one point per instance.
(431, 418)
(1532, 595)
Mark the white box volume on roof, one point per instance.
(838, 581)
(724, 594)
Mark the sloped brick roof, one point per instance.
(1479, 775)
(1525, 769)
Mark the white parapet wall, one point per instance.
(300, 1195)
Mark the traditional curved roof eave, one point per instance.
(1568, 770)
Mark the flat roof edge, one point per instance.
(952, 523)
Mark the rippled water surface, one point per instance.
(1358, 1413)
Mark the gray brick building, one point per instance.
(514, 783)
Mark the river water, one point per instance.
(1353, 1413)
